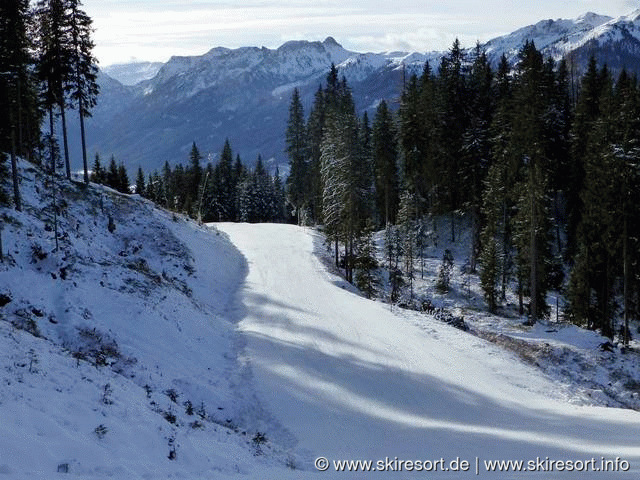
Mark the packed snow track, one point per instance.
(346, 378)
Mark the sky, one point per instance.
(154, 30)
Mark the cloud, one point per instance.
(155, 30)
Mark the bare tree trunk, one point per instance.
(533, 254)
(475, 239)
(84, 143)
(520, 298)
(52, 146)
(14, 164)
(67, 164)
(625, 254)
(453, 227)
(20, 135)
(505, 251)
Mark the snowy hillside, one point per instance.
(120, 347)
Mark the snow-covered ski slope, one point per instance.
(346, 378)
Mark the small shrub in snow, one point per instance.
(100, 431)
(172, 448)
(107, 391)
(258, 440)
(172, 394)
(170, 417)
(78, 356)
(444, 274)
(37, 253)
(190, 269)
(202, 411)
(23, 321)
(148, 390)
(188, 408)
(96, 347)
(196, 425)
(33, 361)
(4, 299)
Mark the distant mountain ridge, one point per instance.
(152, 113)
(133, 72)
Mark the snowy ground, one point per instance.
(98, 339)
(350, 379)
(106, 342)
(564, 351)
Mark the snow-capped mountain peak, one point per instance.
(593, 19)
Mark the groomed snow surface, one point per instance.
(106, 342)
(350, 379)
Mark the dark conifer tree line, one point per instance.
(548, 181)
(225, 192)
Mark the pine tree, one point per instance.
(475, 149)
(501, 177)
(140, 185)
(365, 262)
(279, 208)
(263, 195)
(297, 182)
(407, 222)
(82, 83)
(393, 252)
(385, 161)
(247, 199)
(444, 273)
(587, 111)
(334, 161)
(151, 187)
(98, 174)
(20, 118)
(454, 121)
(193, 179)
(17, 83)
(180, 199)
(226, 186)
(412, 138)
(54, 63)
(167, 194)
(343, 167)
(112, 178)
(531, 95)
(314, 133)
(123, 179)
(430, 132)
(494, 238)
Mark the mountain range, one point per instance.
(153, 112)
